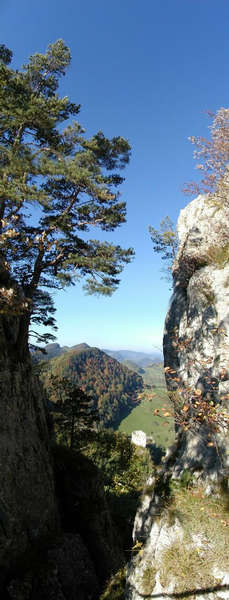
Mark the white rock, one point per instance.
(138, 438)
(196, 348)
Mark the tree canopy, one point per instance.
(165, 242)
(56, 185)
(213, 159)
(74, 410)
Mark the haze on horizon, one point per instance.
(154, 350)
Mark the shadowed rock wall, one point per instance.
(27, 498)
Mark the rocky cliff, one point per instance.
(196, 339)
(181, 529)
(55, 529)
(27, 499)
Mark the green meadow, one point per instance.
(142, 417)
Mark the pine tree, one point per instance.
(165, 242)
(74, 411)
(56, 186)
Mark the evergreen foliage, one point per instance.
(56, 186)
(75, 411)
(124, 469)
(165, 242)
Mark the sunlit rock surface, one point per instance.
(196, 354)
(196, 340)
(138, 438)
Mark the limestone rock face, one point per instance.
(174, 531)
(144, 572)
(196, 340)
(179, 554)
(27, 497)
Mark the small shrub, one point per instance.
(115, 588)
(185, 481)
(209, 295)
(149, 489)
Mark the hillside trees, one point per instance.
(111, 387)
(74, 410)
(56, 186)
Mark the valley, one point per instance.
(124, 391)
(142, 417)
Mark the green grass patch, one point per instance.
(208, 514)
(142, 417)
(154, 375)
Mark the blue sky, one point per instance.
(148, 70)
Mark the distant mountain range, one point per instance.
(142, 359)
(148, 366)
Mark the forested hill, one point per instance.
(53, 350)
(112, 386)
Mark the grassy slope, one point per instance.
(142, 417)
(154, 375)
(132, 366)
